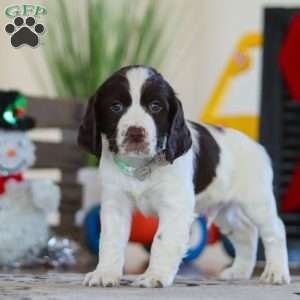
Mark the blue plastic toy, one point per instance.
(92, 230)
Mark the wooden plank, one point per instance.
(67, 207)
(71, 200)
(70, 205)
(71, 193)
(70, 136)
(59, 156)
(69, 177)
(67, 220)
(73, 232)
(55, 113)
(66, 156)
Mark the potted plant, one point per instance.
(88, 41)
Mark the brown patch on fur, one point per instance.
(99, 119)
(206, 160)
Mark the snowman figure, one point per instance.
(24, 204)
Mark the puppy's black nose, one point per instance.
(135, 134)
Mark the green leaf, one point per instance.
(85, 43)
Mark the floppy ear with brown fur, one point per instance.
(179, 138)
(89, 136)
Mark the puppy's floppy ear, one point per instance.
(179, 139)
(89, 136)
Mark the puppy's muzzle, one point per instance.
(135, 135)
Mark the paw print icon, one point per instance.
(24, 33)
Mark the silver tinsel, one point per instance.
(59, 253)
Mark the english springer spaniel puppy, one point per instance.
(154, 160)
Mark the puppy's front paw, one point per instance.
(234, 273)
(98, 278)
(274, 274)
(149, 280)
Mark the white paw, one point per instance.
(152, 281)
(234, 273)
(274, 274)
(98, 278)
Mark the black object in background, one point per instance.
(280, 118)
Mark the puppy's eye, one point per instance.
(117, 107)
(155, 107)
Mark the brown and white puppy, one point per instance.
(154, 160)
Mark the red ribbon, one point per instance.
(3, 179)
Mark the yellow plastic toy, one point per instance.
(238, 63)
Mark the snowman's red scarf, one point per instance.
(3, 179)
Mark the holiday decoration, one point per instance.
(290, 59)
(24, 204)
(57, 253)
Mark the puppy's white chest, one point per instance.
(146, 203)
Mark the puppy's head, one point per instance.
(137, 112)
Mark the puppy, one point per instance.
(154, 160)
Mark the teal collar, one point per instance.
(143, 172)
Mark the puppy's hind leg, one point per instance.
(243, 234)
(262, 211)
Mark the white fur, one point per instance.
(136, 115)
(242, 194)
(240, 200)
(23, 205)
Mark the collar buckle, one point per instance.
(142, 173)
